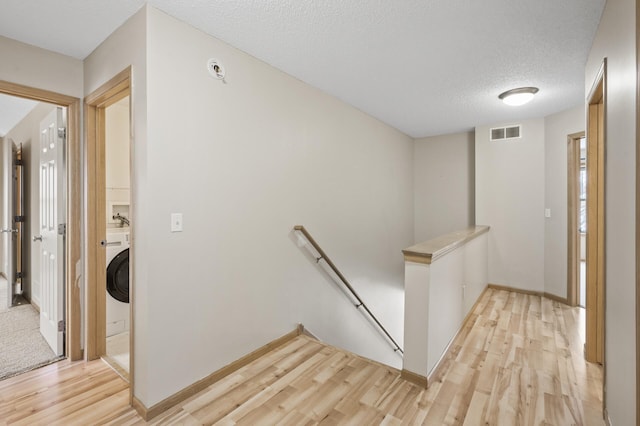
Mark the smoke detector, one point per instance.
(216, 69)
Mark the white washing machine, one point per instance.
(117, 285)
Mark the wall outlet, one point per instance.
(547, 212)
(176, 222)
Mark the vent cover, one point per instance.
(501, 133)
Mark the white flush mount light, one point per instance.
(215, 69)
(519, 96)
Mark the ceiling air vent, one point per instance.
(500, 133)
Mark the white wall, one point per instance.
(127, 47)
(27, 133)
(444, 184)
(244, 162)
(510, 176)
(117, 160)
(615, 40)
(557, 128)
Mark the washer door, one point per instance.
(118, 277)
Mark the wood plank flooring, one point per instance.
(518, 362)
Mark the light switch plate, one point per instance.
(547, 212)
(176, 222)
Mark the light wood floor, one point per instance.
(518, 363)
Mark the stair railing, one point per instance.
(360, 304)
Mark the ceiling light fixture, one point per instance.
(519, 96)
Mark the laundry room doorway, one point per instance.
(109, 222)
(117, 193)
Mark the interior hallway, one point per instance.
(518, 362)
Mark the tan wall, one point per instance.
(510, 199)
(557, 128)
(244, 162)
(444, 184)
(127, 47)
(31, 66)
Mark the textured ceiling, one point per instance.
(426, 67)
(71, 27)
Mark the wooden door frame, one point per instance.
(95, 104)
(573, 209)
(73, 317)
(596, 284)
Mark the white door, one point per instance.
(52, 214)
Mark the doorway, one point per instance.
(117, 193)
(582, 221)
(109, 236)
(41, 199)
(595, 202)
(586, 165)
(32, 194)
(576, 219)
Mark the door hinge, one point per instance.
(19, 162)
(19, 218)
(62, 132)
(62, 229)
(61, 325)
(20, 275)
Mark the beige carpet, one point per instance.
(22, 347)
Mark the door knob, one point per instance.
(37, 238)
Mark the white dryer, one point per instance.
(117, 285)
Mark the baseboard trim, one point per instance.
(302, 330)
(162, 406)
(530, 292)
(117, 368)
(414, 378)
(515, 290)
(139, 407)
(556, 298)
